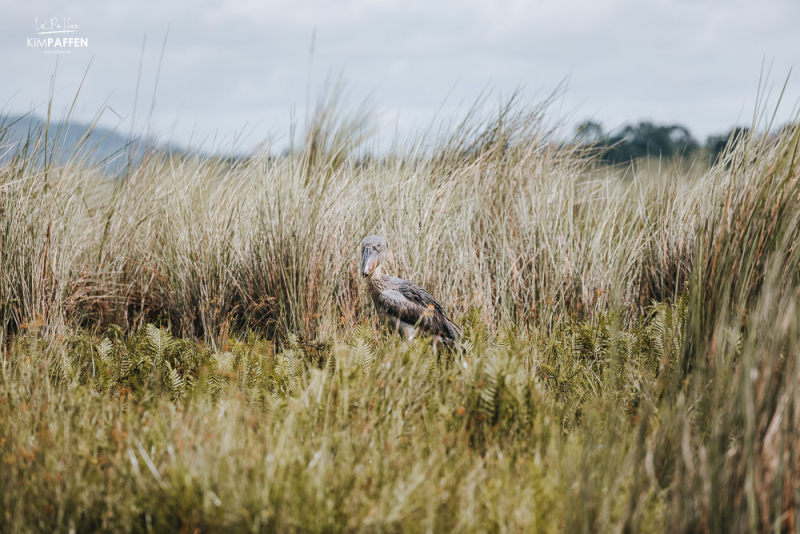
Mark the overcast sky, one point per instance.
(242, 66)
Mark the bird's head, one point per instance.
(373, 250)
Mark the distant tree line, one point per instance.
(654, 140)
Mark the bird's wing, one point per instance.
(415, 306)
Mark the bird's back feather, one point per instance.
(411, 304)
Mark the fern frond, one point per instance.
(174, 381)
(159, 343)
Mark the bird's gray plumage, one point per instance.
(403, 305)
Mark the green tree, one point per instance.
(647, 139)
(642, 140)
(715, 144)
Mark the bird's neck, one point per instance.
(377, 279)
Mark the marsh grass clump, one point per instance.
(365, 428)
(187, 347)
(494, 212)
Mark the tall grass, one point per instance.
(493, 212)
(188, 347)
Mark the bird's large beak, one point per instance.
(369, 261)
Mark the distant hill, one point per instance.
(66, 141)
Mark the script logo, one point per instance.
(59, 42)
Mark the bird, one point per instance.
(402, 305)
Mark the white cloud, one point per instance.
(231, 63)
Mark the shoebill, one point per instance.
(405, 307)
